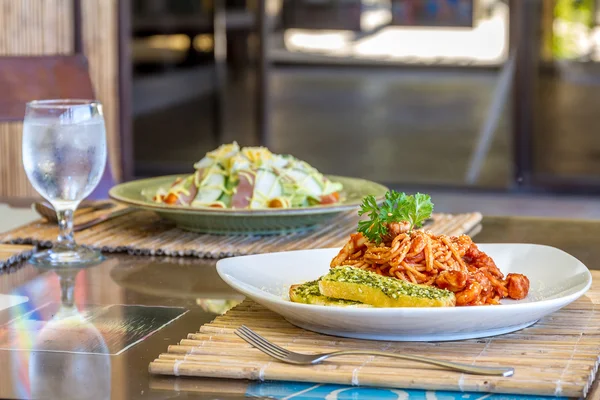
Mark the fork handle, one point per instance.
(103, 218)
(471, 369)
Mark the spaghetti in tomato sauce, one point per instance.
(454, 263)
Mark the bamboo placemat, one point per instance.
(144, 233)
(11, 254)
(558, 356)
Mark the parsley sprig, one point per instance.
(396, 207)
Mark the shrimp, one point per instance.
(417, 246)
(454, 281)
(486, 285)
(463, 244)
(517, 285)
(396, 228)
(470, 295)
(356, 241)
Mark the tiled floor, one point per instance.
(566, 142)
(408, 127)
(398, 126)
(390, 126)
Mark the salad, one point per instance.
(250, 178)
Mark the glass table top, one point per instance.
(91, 333)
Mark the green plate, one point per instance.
(241, 221)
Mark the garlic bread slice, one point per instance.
(308, 293)
(367, 287)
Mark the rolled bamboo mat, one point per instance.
(557, 356)
(144, 233)
(12, 254)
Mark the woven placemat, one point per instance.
(558, 356)
(145, 233)
(13, 254)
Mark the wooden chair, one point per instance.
(26, 78)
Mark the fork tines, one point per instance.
(261, 343)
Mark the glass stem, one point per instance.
(65, 226)
(67, 286)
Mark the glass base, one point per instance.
(74, 257)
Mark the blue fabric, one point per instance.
(300, 390)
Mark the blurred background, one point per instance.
(493, 97)
(453, 93)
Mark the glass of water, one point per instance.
(64, 154)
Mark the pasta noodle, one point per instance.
(453, 263)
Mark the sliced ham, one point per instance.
(182, 192)
(198, 175)
(244, 190)
(186, 197)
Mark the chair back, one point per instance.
(26, 78)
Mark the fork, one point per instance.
(291, 357)
(102, 218)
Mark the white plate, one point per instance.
(556, 277)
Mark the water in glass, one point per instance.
(64, 155)
(64, 162)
